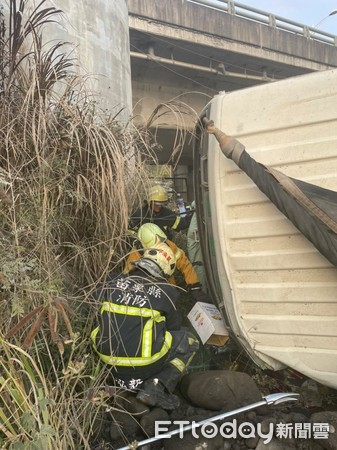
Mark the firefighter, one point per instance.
(155, 211)
(150, 235)
(139, 330)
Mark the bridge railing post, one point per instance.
(272, 20)
(231, 7)
(306, 31)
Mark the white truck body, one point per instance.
(277, 292)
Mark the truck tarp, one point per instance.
(312, 209)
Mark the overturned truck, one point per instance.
(266, 192)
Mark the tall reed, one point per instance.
(69, 176)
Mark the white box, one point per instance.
(207, 321)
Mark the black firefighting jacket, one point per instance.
(135, 320)
(166, 219)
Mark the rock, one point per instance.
(101, 428)
(309, 445)
(192, 414)
(275, 444)
(135, 407)
(310, 394)
(147, 422)
(220, 389)
(252, 442)
(191, 411)
(236, 446)
(296, 417)
(123, 424)
(251, 416)
(265, 424)
(324, 417)
(189, 442)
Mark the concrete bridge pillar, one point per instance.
(100, 33)
(98, 37)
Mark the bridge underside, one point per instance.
(189, 57)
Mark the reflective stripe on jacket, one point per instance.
(146, 357)
(135, 320)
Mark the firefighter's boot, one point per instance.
(154, 394)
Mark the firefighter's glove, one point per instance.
(197, 294)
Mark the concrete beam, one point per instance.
(240, 48)
(188, 21)
(177, 51)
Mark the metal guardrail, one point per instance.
(257, 15)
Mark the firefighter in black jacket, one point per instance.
(139, 331)
(155, 211)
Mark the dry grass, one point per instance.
(69, 176)
(184, 119)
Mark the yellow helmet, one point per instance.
(157, 194)
(150, 235)
(159, 261)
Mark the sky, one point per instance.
(307, 12)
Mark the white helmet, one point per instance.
(159, 261)
(150, 235)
